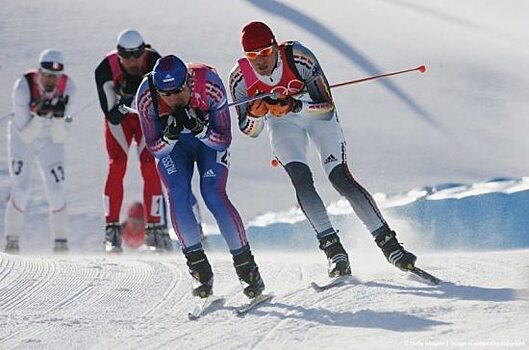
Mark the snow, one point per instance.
(444, 153)
(142, 302)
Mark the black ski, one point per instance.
(335, 282)
(425, 276)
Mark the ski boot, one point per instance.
(200, 270)
(166, 239)
(156, 237)
(12, 246)
(60, 245)
(393, 251)
(248, 274)
(113, 238)
(336, 255)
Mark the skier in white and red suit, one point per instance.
(42, 101)
(305, 111)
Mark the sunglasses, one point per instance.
(136, 53)
(253, 55)
(172, 92)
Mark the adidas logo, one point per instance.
(209, 173)
(330, 159)
(168, 78)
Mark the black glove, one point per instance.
(58, 106)
(171, 128)
(126, 100)
(43, 107)
(116, 114)
(193, 119)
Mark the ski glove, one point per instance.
(171, 129)
(44, 107)
(59, 106)
(282, 105)
(116, 114)
(194, 119)
(257, 109)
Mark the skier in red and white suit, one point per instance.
(305, 111)
(118, 77)
(41, 103)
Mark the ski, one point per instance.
(243, 309)
(335, 282)
(205, 305)
(425, 276)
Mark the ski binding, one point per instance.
(243, 309)
(205, 305)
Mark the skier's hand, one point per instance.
(116, 114)
(44, 107)
(282, 105)
(171, 128)
(59, 106)
(257, 109)
(126, 100)
(195, 120)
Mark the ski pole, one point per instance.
(232, 104)
(276, 94)
(421, 69)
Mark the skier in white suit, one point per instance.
(41, 101)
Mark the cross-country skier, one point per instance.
(117, 78)
(41, 101)
(185, 118)
(305, 111)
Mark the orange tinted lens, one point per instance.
(251, 55)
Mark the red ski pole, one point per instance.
(421, 69)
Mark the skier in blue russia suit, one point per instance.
(185, 119)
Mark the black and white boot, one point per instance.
(393, 250)
(336, 256)
(12, 246)
(113, 238)
(60, 245)
(157, 238)
(248, 274)
(200, 270)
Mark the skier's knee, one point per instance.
(341, 178)
(213, 198)
(300, 175)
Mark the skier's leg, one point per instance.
(213, 169)
(117, 139)
(289, 143)
(330, 143)
(152, 188)
(20, 163)
(176, 171)
(53, 172)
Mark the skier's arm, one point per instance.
(249, 125)
(108, 99)
(60, 126)
(150, 123)
(26, 123)
(319, 103)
